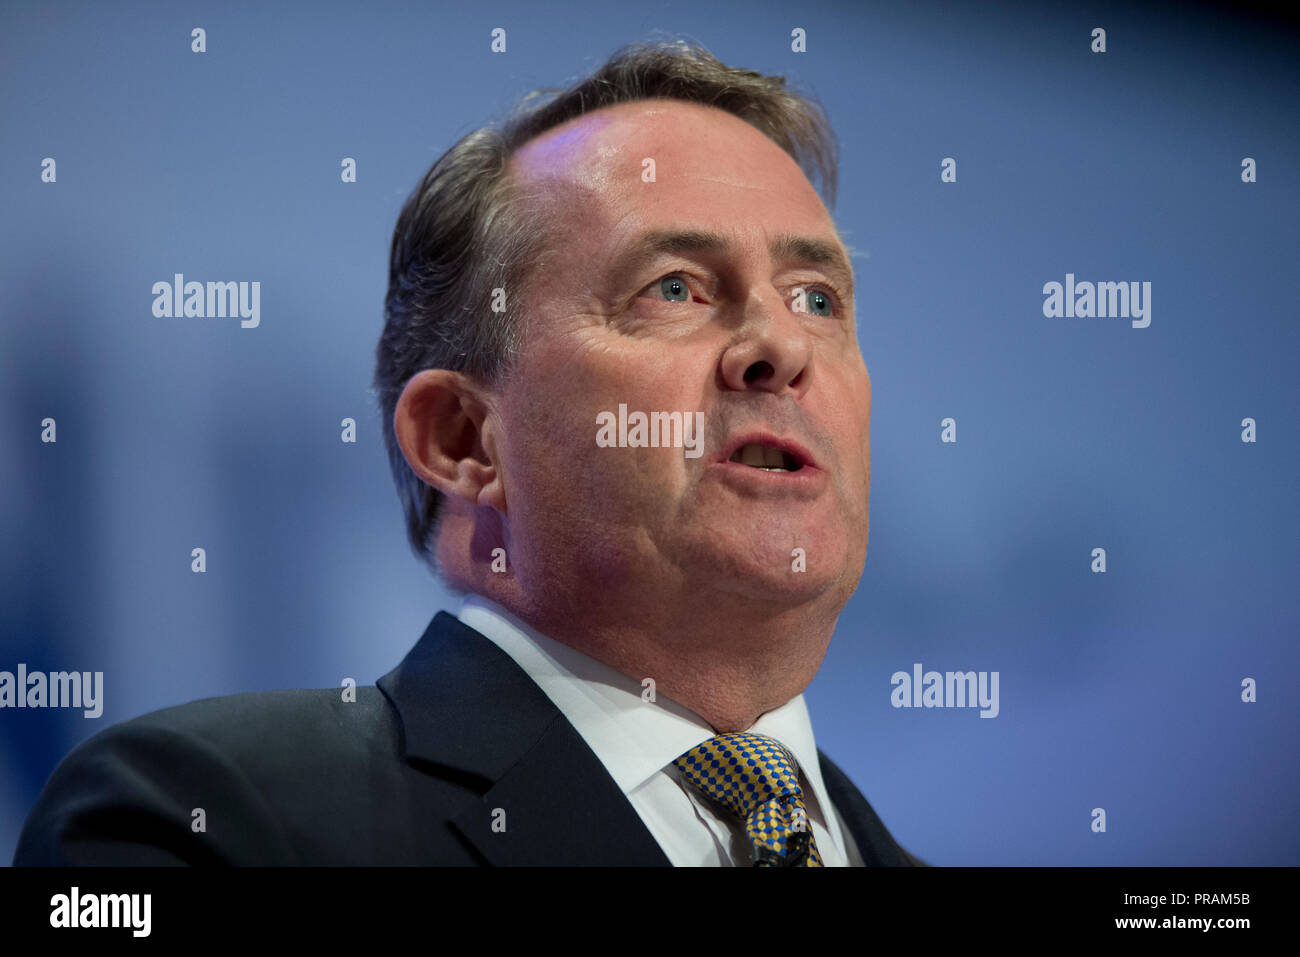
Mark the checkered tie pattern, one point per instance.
(754, 777)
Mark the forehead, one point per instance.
(710, 169)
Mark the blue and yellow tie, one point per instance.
(753, 777)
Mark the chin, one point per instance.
(771, 575)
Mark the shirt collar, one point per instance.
(632, 741)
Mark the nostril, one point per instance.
(759, 370)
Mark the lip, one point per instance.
(789, 446)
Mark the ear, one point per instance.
(443, 424)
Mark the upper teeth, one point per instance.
(764, 457)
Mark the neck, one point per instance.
(727, 656)
(729, 669)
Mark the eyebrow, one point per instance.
(783, 248)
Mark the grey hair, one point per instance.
(468, 228)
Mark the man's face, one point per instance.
(682, 295)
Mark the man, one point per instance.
(628, 418)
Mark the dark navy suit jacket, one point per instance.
(410, 772)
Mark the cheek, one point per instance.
(852, 432)
(556, 470)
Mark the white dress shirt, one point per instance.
(637, 743)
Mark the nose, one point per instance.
(772, 352)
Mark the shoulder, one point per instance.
(151, 790)
(251, 728)
(259, 733)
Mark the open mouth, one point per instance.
(766, 457)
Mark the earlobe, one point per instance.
(491, 489)
(438, 423)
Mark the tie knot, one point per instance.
(742, 771)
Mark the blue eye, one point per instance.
(674, 289)
(819, 301)
(816, 301)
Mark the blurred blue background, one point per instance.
(1119, 691)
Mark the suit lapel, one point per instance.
(559, 806)
(876, 845)
(466, 707)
